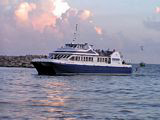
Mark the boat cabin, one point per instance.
(85, 53)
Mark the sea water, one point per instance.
(24, 95)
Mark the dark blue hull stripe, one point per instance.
(47, 68)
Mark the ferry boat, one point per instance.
(76, 58)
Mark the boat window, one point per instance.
(57, 56)
(67, 56)
(76, 58)
(74, 46)
(90, 58)
(64, 56)
(106, 60)
(72, 58)
(71, 45)
(115, 59)
(100, 59)
(109, 61)
(87, 59)
(84, 58)
(51, 55)
(103, 59)
(81, 58)
(60, 56)
(78, 46)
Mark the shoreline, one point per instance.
(19, 61)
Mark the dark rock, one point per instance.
(19, 61)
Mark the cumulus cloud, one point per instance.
(22, 12)
(85, 14)
(60, 7)
(40, 22)
(41, 25)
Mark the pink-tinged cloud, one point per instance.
(158, 10)
(98, 30)
(22, 11)
(44, 22)
(39, 23)
(51, 11)
(85, 14)
(4, 2)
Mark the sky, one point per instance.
(40, 26)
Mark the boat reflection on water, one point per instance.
(55, 105)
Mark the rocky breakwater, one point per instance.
(19, 61)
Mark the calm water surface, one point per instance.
(24, 95)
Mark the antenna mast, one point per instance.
(75, 33)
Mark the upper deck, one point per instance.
(72, 48)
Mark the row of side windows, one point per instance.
(57, 56)
(106, 60)
(102, 60)
(78, 58)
